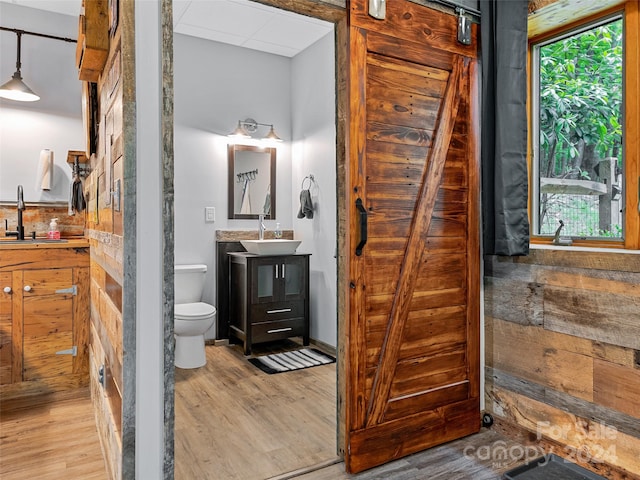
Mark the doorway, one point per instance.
(189, 120)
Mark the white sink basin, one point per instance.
(278, 246)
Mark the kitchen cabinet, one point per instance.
(268, 297)
(44, 318)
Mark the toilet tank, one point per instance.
(189, 283)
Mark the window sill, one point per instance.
(580, 248)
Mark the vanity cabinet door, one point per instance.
(6, 327)
(47, 323)
(294, 278)
(265, 276)
(278, 278)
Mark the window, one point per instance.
(579, 154)
(585, 159)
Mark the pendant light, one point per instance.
(239, 132)
(272, 136)
(16, 89)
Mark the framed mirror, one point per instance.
(252, 181)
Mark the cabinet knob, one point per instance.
(7, 289)
(27, 288)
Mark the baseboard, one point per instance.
(323, 347)
(303, 471)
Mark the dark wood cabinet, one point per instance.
(268, 298)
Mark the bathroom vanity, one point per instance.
(44, 316)
(268, 297)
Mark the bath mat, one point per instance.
(551, 467)
(289, 361)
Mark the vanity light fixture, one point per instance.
(248, 126)
(16, 89)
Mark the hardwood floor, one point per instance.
(233, 421)
(49, 438)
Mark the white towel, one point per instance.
(44, 174)
(246, 199)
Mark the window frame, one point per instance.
(630, 14)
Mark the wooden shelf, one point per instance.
(93, 40)
(79, 154)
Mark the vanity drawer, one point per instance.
(278, 330)
(267, 312)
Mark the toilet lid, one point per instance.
(193, 311)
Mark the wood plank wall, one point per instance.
(36, 218)
(562, 339)
(104, 227)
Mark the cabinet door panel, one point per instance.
(265, 281)
(47, 282)
(47, 326)
(5, 328)
(40, 359)
(263, 287)
(294, 278)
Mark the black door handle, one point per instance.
(363, 226)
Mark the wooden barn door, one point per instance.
(413, 345)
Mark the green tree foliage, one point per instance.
(580, 101)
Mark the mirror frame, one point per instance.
(232, 148)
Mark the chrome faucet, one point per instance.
(261, 227)
(19, 233)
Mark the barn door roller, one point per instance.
(464, 27)
(378, 9)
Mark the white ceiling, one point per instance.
(238, 22)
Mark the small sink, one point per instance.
(271, 247)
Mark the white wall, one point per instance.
(53, 122)
(314, 152)
(148, 230)
(215, 86)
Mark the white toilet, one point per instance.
(192, 318)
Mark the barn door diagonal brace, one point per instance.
(425, 204)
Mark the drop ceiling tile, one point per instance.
(179, 7)
(285, 30)
(195, 31)
(282, 50)
(252, 4)
(225, 16)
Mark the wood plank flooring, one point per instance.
(477, 457)
(49, 438)
(235, 422)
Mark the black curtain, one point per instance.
(503, 38)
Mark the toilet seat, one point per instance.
(193, 311)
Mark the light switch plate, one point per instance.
(209, 214)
